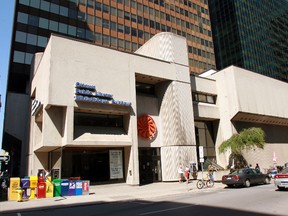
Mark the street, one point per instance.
(253, 201)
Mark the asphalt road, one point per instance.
(253, 201)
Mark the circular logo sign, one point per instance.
(146, 127)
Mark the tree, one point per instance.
(247, 139)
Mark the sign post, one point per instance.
(201, 155)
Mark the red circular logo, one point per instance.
(146, 126)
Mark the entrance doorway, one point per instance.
(149, 165)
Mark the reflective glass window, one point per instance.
(127, 45)
(120, 13)
(19, 57)
(28, 58)
(120, 28)
(133, 18)
(72, 13)
(106, 39)
(20, 37)
(140, 33)
(82, 2)
(139, 19)
(32, 39)
(105, 23)
(33, 20)
(113, 11)
(90, 3)
(98, 6)
(43, 23)
(45, 5)
(134, 32)
(114, 41)
(105, 8)
(89, 35)
(81, 33)
(42, 41)
(63, 11)
(81, 16)
(63, 28)
(54, 8)
(72, 30)
(98, 21)
(24, 2)
(127, 30)
(35, 3)
(121, 43)
(90, 19)
(22, 18)
(53, 25)
(113, 26)
(98, 37)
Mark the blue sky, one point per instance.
(6, 20)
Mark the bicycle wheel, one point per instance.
(210, 183)
(200, 184)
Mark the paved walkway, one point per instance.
(109, 193)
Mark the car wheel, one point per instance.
(230, 186)
(267, 180)
(247, 183)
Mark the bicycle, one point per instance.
(209, 183)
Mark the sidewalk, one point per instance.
(109, 193)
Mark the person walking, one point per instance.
(210, 172)
(257, 167)
(181, 173)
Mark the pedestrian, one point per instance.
(181, 173)
(187, 173)
(210, 172)
(257, 167)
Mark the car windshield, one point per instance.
(285, 170)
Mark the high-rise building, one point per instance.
(119, 24)
(252, 35)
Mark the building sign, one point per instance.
(88, 93)
(116, 164)
(35, 106)
(146, 127)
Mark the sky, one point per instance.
(6, 20)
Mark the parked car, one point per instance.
(245, 177)
(281, 179)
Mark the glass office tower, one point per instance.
(252, 35)
(118, 24)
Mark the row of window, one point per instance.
(89, 35)
(203, 97)
(73, 14)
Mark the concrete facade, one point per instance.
(243, 99)
(66, 62)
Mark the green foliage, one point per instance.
(249, 138)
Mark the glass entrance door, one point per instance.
(149, 165)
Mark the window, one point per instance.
(204, 97)
(144, 88)
(106, 39)
(45, 5)
(31, 39)
(63, 11)
(105, 23)
(19, 57)
(22, 18)
(20, 37)
(72, 30)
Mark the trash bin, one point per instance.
(41, 190)
(64, 187)
(57, 187)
